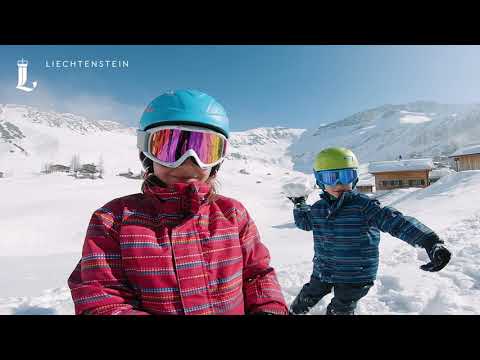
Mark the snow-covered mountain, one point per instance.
(29, 138)
(418, 129)
(73, 122)
(266, 146)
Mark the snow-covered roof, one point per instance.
(469, 150)
(366, 180)
(400, 165)
(365, 184)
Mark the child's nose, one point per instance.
(190, 162)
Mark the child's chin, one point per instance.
(335, 190)
(174, 180)
(185, 181)
(338, 192)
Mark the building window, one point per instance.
(401, 183)
(392, 183)
(416, 182)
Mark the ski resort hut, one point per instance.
(88, 171)
(366, 189)
(59, 168)
(401, 173)
(467, 158)
(365, 186)
(88, 168)
(127, 174)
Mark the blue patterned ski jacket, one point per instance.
(346, 234)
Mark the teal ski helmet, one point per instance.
(186, 107)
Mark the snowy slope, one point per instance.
(419, 129)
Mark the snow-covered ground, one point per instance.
(37, 259)
(44, 218)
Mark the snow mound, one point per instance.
(51, 302)
(298, 187)
(446, 202)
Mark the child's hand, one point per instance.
(297, 200)
(439, 256)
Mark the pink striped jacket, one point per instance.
(171, 251)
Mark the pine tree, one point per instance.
(75, 163)
(101, 167)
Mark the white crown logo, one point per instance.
(22, 76)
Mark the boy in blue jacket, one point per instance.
(346, 232)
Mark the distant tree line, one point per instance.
(81, 171)
(76, 168)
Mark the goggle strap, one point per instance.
(142, 140)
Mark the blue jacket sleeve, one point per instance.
(303, 217)
(406, 228)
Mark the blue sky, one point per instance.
(292, 86)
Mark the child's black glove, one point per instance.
(439, 257)
(297, 201)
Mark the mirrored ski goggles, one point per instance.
(172, 145)
(334, 177)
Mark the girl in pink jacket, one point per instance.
(177, 247)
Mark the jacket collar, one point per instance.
(336, 203)
(184, 198)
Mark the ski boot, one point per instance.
(302, 304)
(332, 311)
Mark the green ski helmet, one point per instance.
(335, 164)
(335, 158)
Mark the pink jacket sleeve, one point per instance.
(98, 284)
(260, 285)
